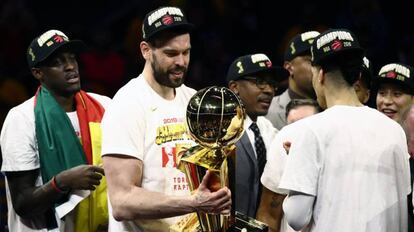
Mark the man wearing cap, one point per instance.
(395, 89)
(341, 174)
(255, 80)
(363, 85)
(296, 109)
(51, 146)
(145, 121)
(297, 62)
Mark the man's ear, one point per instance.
(321, 76)
(145, 48)
(233, 86)
(37, 73)
(288, 66)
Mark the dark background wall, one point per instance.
(224, 30)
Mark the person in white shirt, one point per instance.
(298, 109)
(273, 197)
(145, 122)
(341, 174)
(51, 156)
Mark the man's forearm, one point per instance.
(149, 205)
(34, 201)
(30, 200)
(270, 209)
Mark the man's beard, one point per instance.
(162, 77)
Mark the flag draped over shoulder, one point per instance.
(60, 149)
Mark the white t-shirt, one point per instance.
(142, 124)
(354, 160)
(276, 161)
(277, 158)
(20, 153)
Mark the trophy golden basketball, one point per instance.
(215, 117)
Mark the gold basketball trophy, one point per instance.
(215, 117)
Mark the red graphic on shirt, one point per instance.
(169, 157)
(180, 183)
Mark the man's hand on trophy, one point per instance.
(207, 201)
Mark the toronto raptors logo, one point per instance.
(268, 63)
(336, 45)
(391, 75)
(167, 20)
(58, 39)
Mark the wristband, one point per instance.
(56, 187)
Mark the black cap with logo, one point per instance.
(253, 64)
(162, 19)
(332, 43)
(47, 43)
(300, 45)
(398, 73)
(367, 75)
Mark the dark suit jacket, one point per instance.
(247, 178)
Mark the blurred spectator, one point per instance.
(103, 68)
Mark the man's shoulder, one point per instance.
(187, 91)
(264, 122)
(104, 100)
(282, 100)
(26, 107)
(135, 88)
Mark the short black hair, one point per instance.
(349, 63)
(296, 103)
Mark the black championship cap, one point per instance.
(300, 45)
(253, 64)
(398, 73)
(367, 75)
(164, 18)
(47, 43)
(333, 42)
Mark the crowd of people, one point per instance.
(314, 156)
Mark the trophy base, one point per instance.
(247, 224)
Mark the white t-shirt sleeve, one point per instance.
(301, 172)
(123, 128)
(104, 100)
(276, 161)
(18, 142)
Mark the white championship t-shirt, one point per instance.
(354, 160)
(142, 124)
